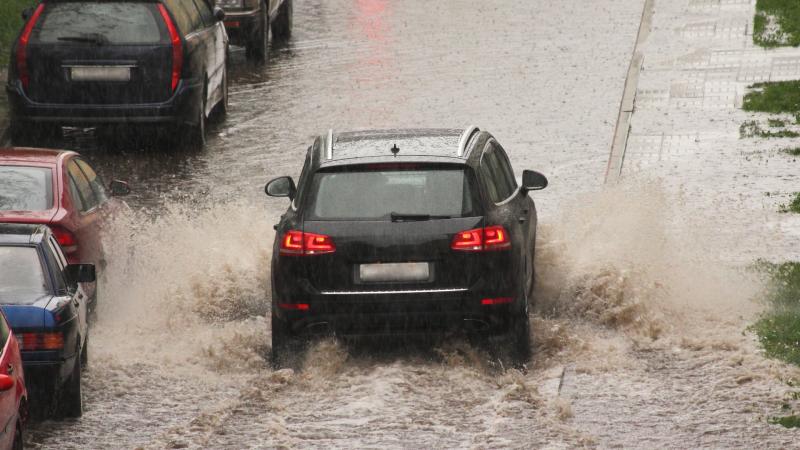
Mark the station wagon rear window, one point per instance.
(22, 274)
(25, 188)
(99, 23)
(375, 194)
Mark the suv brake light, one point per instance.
(299, 243)
(490, 238)
(66, 239)
(177, 48)
(22, 47)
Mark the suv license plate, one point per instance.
(100, 73)
(397, 272)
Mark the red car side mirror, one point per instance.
(6, 382)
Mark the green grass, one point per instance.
(752, 128)
(10, 24)
(787, 15)
(776, 97)
(792, 151)
(778, 330)
(794, 206)
(787, 421)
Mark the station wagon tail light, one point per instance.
(294, 306)
(66, 239)
(41, 341)
(177, 48)
(490, 238)
(298, 243)
(22, 47)
(497, 301)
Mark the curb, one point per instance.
(623, 128)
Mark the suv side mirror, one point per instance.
(119, 188)
(27, 13)
(219, 13)
(533, 181)
(281, 187)
(81, 273)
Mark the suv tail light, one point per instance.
(490, 238)
(66, 239)
(22, 47)
(299, 243)
(41, 341)
(177, 48)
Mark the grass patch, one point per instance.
(774, 97)
(792, 151)
(752, 128)
(10, 24)
(777, 23)
(793, 207)
(787, 421)
(776, 123)
(779, 329)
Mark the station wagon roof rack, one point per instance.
(462, 142)
(329, 145)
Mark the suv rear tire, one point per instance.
(282, 27)
(287, 350)
(257, 46)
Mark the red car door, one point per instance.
(85, 219)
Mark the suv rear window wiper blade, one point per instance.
(93, 38)
(398, 217)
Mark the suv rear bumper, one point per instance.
(180, 108)
(241, 26)
(397, 313)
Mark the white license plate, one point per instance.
(100, 73)
(397, 272)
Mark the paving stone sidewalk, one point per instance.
(699, 60)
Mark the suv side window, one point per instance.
(94, 181)
(505, 168)
(183, 15)
(496, 173)
(55, 265)
(303, 175)
(205, 12)
(88, 198)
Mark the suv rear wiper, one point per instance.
(89, 38)
(398, 217)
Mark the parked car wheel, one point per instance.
(195, 135)
(221, 110)
(257, 47)
(70, 401)
(85, 353)
(282, 27)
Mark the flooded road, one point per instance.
(630, 347)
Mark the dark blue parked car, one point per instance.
(46, 309)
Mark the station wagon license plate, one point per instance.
(394, 272)
(100, 73)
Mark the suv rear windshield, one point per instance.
(26, 188)
(374, 193)
(22, 274)
(100, 23)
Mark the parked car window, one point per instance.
(4, 332)
(110, 22)
(183, 16)
(94, 180)
(88, 199)
(375, 194)
(55, 261)
(205, 12)
(303, 175)
(22, 274)
(75, 195)
(26, 188)
(489, 182)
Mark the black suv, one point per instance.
(404, 232)
(95, 63)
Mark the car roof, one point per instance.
(413, 144)
(17, 234)
(33, 155)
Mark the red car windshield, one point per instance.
(25, 188)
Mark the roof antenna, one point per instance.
(395, 149)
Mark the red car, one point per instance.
(60, 189)
(13, 394)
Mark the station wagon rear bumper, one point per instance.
(180, 108)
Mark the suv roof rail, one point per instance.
(462, 142)
(329, 145)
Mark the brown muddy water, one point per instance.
(639, 324)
